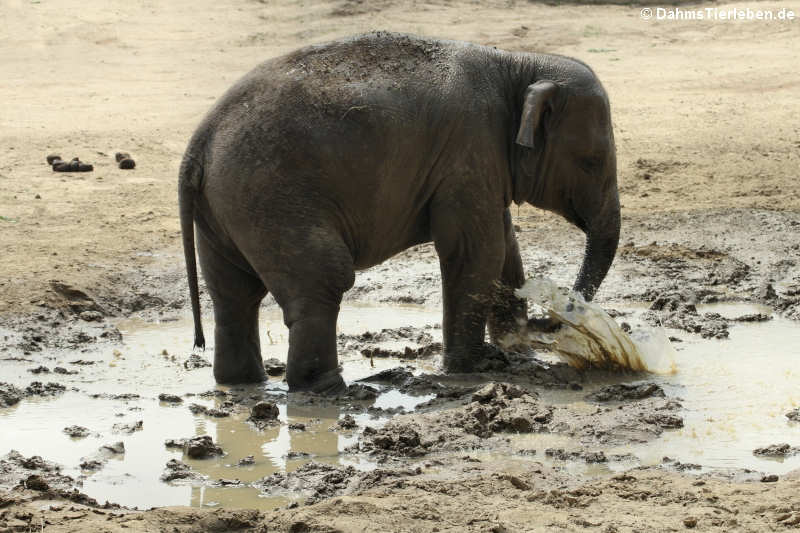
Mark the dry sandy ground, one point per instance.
(706, 119)
(707, 110)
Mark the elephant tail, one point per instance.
(188, 185)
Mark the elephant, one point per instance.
(337, 156)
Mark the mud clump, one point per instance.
(76, 432)
(35, 482)
(264, 414)
(347, 423)
(169, 398)
(421, 343)
(590, 457)
(402, 441)
(793, 415)
(198, 409)
(317, 481)
(406, 382)
(195, 361)
(71, 299)
(663, 420)
(360, 392)
(501, 407)
(274, 367)
(391, 376)
(679, 466)
(178, 470)
(753, 317)
(16, 469)
(37, 388)
(128, 428)
(115, 448)
(176, 443)
(622, 392)
(495, 408)
(407, 353)
(202, 447)
(674, 312)
(777, 450)
(9, 395)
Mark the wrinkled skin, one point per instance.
(336, 157)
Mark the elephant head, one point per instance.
(566, 163)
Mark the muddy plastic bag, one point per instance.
(589, 337)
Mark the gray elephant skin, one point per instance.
(337, 156)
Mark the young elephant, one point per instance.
(337, 156)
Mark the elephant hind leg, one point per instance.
(312, 363)
(236, 295)
(309, 289)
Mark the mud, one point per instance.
(777, 450)
(92, 260)
(623, 391)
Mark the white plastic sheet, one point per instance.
(589, 337)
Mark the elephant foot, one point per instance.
(458, 363)
(329, 383)
(236, 376)
(484, 359)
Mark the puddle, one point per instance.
(151, 362)
(734, 392)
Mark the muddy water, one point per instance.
(147, 365)
(734, 392)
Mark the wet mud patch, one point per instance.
(403, 343)
(713, 267)
(676, 313)
(397, 416)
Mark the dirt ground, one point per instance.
(706, 122)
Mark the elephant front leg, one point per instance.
(508, 314)
(471, 260)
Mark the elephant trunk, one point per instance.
(602, 237)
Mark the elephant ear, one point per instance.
(539, 103)
(539, 98)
